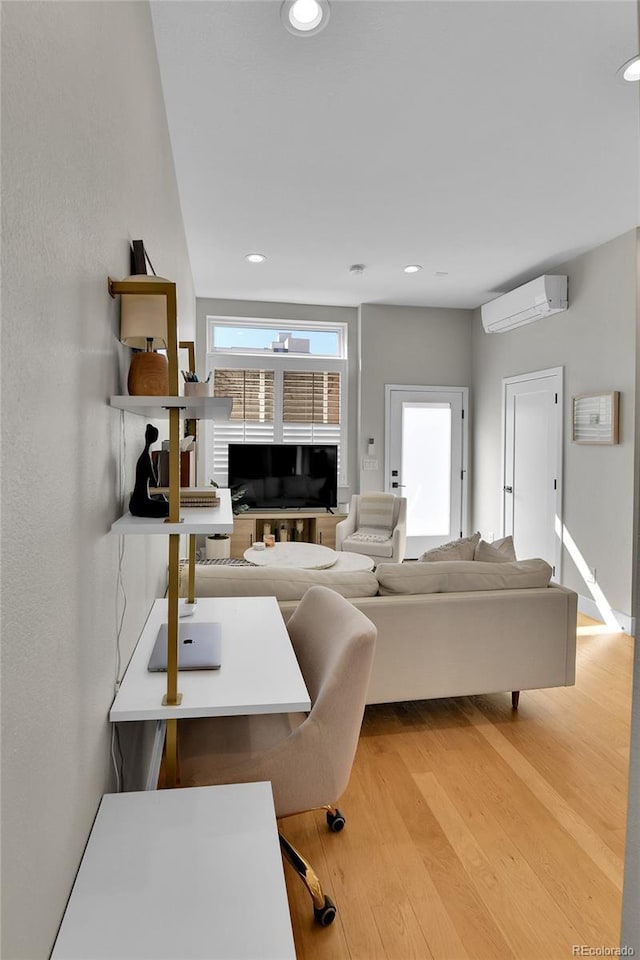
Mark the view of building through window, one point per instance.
(322, 343)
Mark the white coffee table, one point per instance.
(352, 561)
(307, 556)
(303, 556)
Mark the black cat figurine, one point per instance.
(142, 504)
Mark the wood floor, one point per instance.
(474, 831)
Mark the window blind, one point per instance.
(251, 392)
(310, 397)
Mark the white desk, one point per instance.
(179, 875)
(193, 520)
(259, 672)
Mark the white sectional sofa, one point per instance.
(445, 629)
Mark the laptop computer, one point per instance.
(199, 647)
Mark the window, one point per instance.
(287, 385)
(254, 337)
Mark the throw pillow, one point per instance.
(500, 551)
(463, 549)
(376, 512)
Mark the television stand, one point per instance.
(306, 526)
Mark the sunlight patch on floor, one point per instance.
(590, 630)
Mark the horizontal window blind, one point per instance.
(250, 390)
(310, 397)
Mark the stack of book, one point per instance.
(193, 496)
(160, 460)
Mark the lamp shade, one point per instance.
(143, 318)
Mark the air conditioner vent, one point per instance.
(532, 301)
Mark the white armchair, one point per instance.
(376, 527)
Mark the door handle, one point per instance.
(508, 489)
(394, 485)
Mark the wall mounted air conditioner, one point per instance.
(536, 299)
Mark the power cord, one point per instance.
(116, 756)
(120, 611)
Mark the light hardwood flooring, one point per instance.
(475, 832)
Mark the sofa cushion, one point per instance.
(283, 583)
(457, 576)
(499, 551)
(462, 549)
(368, 547)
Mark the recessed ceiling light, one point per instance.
(255, 257)
(412, 268)
(357, 268)
(631, 69)
(305, 18)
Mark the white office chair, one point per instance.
(307, 758)
(376, 527)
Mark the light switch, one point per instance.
(368, 464)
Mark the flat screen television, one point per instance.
(285, 475)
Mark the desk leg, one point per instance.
(172, 697)
(155, 764)
(171, 754)
(191, 598)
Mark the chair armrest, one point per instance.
(399, 544)
(344, 529)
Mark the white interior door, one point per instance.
(425, 462)
(532, 480)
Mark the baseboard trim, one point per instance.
(590, 609)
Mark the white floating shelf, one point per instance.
(207, 520)
(194, 408)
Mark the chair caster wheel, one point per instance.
(325, 915)
(336, 821)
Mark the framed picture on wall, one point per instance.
(595, 418)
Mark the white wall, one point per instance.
(87, 167)
(595, 343)
(408, 345)
(387, 344)
(630, 935)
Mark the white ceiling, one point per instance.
(491, 140)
